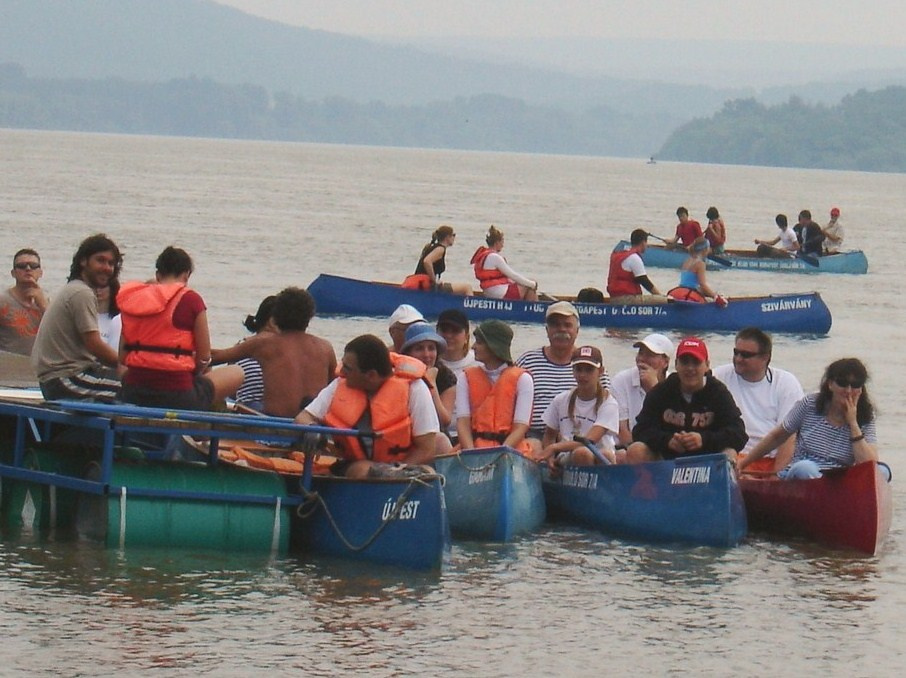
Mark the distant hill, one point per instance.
(866, 131)
(159, 40)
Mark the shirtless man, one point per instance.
(295, 365)
(22, 306)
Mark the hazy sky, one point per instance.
(875, 22)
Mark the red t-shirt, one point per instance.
(184, 315)
(688, 232)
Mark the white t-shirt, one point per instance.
(763, 403)
(556, 416)
(110, 329)
(627, 389)
(524, 395)
(421, 407)
(788, 240)
(634, 264)
(458, 366)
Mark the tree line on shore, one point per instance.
(866, 131)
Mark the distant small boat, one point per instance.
(853, 261)
(804, 313)
(491, 493)
(849, 508)
(651, 161)
(694, 500)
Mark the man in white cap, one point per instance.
(763, 393)
(551, 365)
(630, 386)
(400, 319)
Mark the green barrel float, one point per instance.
(48, 507)
(132, 519)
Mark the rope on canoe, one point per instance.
(491, 463)
(313, 500)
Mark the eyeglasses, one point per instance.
(843, 383)
(27, 265)
(738, 353)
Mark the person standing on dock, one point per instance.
(69, 357)
(22, 306)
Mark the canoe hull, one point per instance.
(804, 313)
(354, 520)
(693, 500)
(492, 494)
(847, 509)
(854, 261)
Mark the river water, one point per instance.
(257, 217)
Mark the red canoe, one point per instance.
(846, 508)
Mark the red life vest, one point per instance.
(486, 277)
(493, 406)
(149, 336)
(621, 283)
(389, 409)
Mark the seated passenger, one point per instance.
(166, 345)
(494, 398)
(378, 392)
(497, 279)
(295, 365)
(432, 264)
(835, 426)
(689, 413)
(588, 412)
(426, 345)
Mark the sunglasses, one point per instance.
(738, 353)
(27, 265)
(843, 383)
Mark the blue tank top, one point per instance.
(688, 279)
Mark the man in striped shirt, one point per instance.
(551, 365)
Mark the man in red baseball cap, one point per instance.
(833, 233)
(690, 412)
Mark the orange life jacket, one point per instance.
(149, 336)
(621, 283)
(389, 409)
(486, 277)
(493, 406)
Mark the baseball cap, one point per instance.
(454, 317)
(835, 211)
(656, 343)
(561, 308)
(693, 346)
(588, 355)
(406, 315)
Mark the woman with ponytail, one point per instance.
(582, 425)
(432, 263)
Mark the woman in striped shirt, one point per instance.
(835, 427)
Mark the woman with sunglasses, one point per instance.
(432, 263)
(835, 427)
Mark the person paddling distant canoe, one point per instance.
(432, 263)
(497, 279)
(716, 231)
(787, 240)
(687, 230)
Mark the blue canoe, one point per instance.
(100, 471)
(853, 261)
(804, 313)
(694, 500)
(492, 493)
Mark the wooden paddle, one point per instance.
(713, 257)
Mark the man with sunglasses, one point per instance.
(763, 393)
(22, 305)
